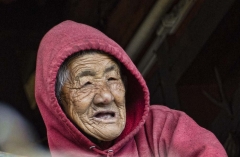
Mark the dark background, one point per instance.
(197, 68)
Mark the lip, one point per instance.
(105, 116)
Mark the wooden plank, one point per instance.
(126, 18)
(175, 60)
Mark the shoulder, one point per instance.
(164, 109)
(162, 120)
(171, 119)
(159, 112)
(180, 133)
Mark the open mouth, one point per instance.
(105, 116)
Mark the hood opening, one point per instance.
(59, 43)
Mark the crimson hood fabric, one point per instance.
(150, 130)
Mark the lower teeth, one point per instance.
(106, 116)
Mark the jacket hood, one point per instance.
(58, 44)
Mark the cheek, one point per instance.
(118, 91)
(80, 100)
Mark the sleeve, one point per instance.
(181, 136)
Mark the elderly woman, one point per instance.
(95, 102)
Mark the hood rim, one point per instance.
(80, 44)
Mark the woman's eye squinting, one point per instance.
(87, 83)
(112, 79)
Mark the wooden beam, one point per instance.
(175, 60)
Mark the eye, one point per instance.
(87, 83)
(112, 79)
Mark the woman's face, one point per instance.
(94, 96)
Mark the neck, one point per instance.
(105, 144)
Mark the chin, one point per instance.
(108, 133)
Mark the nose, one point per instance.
(103, 96)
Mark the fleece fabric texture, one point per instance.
(150, 130)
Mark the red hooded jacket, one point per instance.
(150, 130)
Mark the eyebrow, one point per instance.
(93, 73)
(111, 68)
(86, 73)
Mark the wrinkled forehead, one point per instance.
(89, 52)
(92, 64)
(91, 58)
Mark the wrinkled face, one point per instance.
(94, 96)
